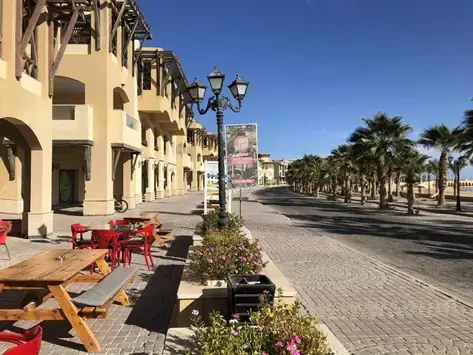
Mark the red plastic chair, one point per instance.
(78, 230)
(118, 222)
(28, 343)
(5, 228)
(104, 239)
(143, 244)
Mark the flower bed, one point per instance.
(224, 253)
(210, 222)
(278, 330)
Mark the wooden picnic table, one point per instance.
(150, 218)
(53, 270)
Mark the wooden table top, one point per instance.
(46, 269)
(107, 227)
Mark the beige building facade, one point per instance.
(87, 112)
(265, 170)
(202, 147)
(280, 169)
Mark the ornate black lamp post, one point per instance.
(219, 104)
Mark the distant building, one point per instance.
(280, 170)
(265, 170)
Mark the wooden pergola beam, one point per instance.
(132, 33)
(18, 34)
(116, 158)
(11, 162)
(32, 23)
(65, 41)
(87, 162)
(96, 6)
(1, 34)
(116, 24)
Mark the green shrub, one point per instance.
(224, 253)
(278, 330)
(210, 222)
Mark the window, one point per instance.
(156, 142)
(147, 67)
(144, 141)
(113, 47)
(165, 140)
(125, 44)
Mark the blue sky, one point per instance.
(317, 66)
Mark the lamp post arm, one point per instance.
(226, 103)
(210, 105)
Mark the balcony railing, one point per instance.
(64, 112)
(73, 122)
(130, 122)
(126, 129)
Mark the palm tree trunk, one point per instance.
(410, 199)
(398, 184)
(346, 191)
(374, 192)
(390, 187)
(382, 177)
(442, 179)
(362, 193)
(316, 191)
(428, 180)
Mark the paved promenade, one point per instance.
(370, 307)
(140, 329)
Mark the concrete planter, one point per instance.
(217, 283)
(192, 294)
(212, 295)
(179, 341)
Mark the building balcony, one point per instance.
(187, 162)
(73, 123)
(126, 131)
(150, 102)
(200, 167)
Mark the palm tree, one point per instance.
(342, 156)
(432, 168)
(466, 135)
(456, 166)
(441, 138)
(413, 166)
(383, 137)
(362, 162)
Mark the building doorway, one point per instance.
(67, 186)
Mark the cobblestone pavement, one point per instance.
(139, 329)
(369, 306)
(435, 248)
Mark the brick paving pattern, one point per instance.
(370, 307)
(139, 329)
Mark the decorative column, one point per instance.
(168, 188)
(160, 189)
(149, 195)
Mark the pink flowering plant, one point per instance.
(272, 330)
(211, 219)
(224, 253)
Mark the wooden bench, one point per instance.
(98, 299)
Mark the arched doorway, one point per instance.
(20, 157)
(71, 155)
(120, 98)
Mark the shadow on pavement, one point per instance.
(153, 306)
(350, 220)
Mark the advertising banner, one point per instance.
(211, 185)
(242, 155)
